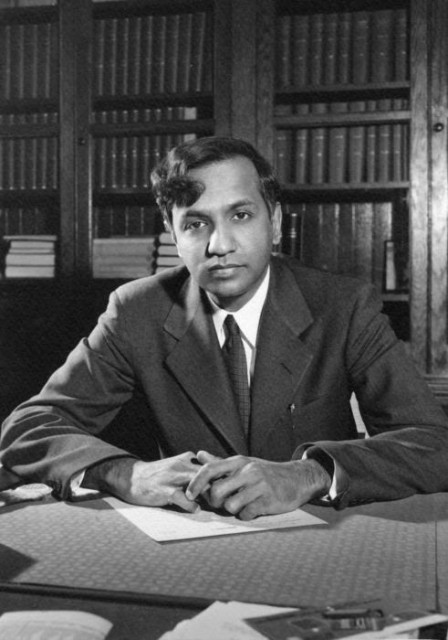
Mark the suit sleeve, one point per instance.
(53, 436)
(407, 448)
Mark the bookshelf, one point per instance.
(341, 119)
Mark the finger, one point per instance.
(179, 499)
(247, 500)
(203, 457)
(209, 472)
(222, 489)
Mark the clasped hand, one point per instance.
(243, 486)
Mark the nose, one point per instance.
(221, 240)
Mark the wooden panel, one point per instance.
(265, 78)
(222, 67)
(419, 182)
(83, 142)
(243, 69)
(67, 143)
(439, 188)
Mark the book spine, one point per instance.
(147, 56)
(110, 66)
(382, 231)
(197, 53)
(344, 48)
(381, 49)
(317, 49)
(135, 59)
(338, 154)
(122, 56)
(172, 52)
(185, 50)
(330, 48)
(283, 57)
(401, 45)
(318, 148)
(99, 48)
(300, 50)
(301, 150)
(363, 239)
(160, 53)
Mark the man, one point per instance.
(310, 339)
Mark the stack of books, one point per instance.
(123, 257)
(166, 253)
(30, 256)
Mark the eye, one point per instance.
(242, 215)
(194, 225)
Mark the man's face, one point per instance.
(225, 237)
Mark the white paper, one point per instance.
(163, 524)
(57, 625)
(223, 620)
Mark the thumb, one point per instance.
(179, 499)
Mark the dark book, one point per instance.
(283, 52)
(344, 48)
(135, 60)
(357, 146)
(283, 155)
(318, 148)
(5, 61)
(346, 246)
(330, 48)
(317, 48)
(360, 52)
(30, 60)
(146, 54)
(401, 45)
(382, 46)
(159, 53)
(300, 50)
(363, 255)
(18, 62)
(301, 155)
(198, 51)
(382, 231)
(172, 52)
(110, 62)
(44, 66)
(384, 171)
(371, 146)
(185, 50)
(123, 68)
(99, 46)
(337, 148)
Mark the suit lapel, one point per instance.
(282, 358)
(197, 364)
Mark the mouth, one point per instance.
(224, 270)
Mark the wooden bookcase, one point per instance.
(294, 77)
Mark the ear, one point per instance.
(169, 229)
(277, 223)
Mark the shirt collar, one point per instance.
(248, 317)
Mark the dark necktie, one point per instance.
(235, 358)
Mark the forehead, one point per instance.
(228, 178)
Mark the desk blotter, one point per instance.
(363, 553)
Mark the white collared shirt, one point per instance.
(248, 320)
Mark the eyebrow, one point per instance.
(234, 205)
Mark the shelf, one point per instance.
(28, 196)
(342, 119)
(29, 105)
(138, 101)
(145, 7)
(348, 192)
(152, 128)
(391, 296)
(333, 92)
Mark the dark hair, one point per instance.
(172, 186)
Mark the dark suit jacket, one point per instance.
(321, 337)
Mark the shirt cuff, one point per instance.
(339, 480)
(76, 490)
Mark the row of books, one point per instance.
(341, 48)
(359, 239)
(126, 161)
(24, 220)
(123, 257)
(341, 155)
(29, 60)
(153, 54)
(126, 221)
(30, 256)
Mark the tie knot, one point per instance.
(231, 325)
